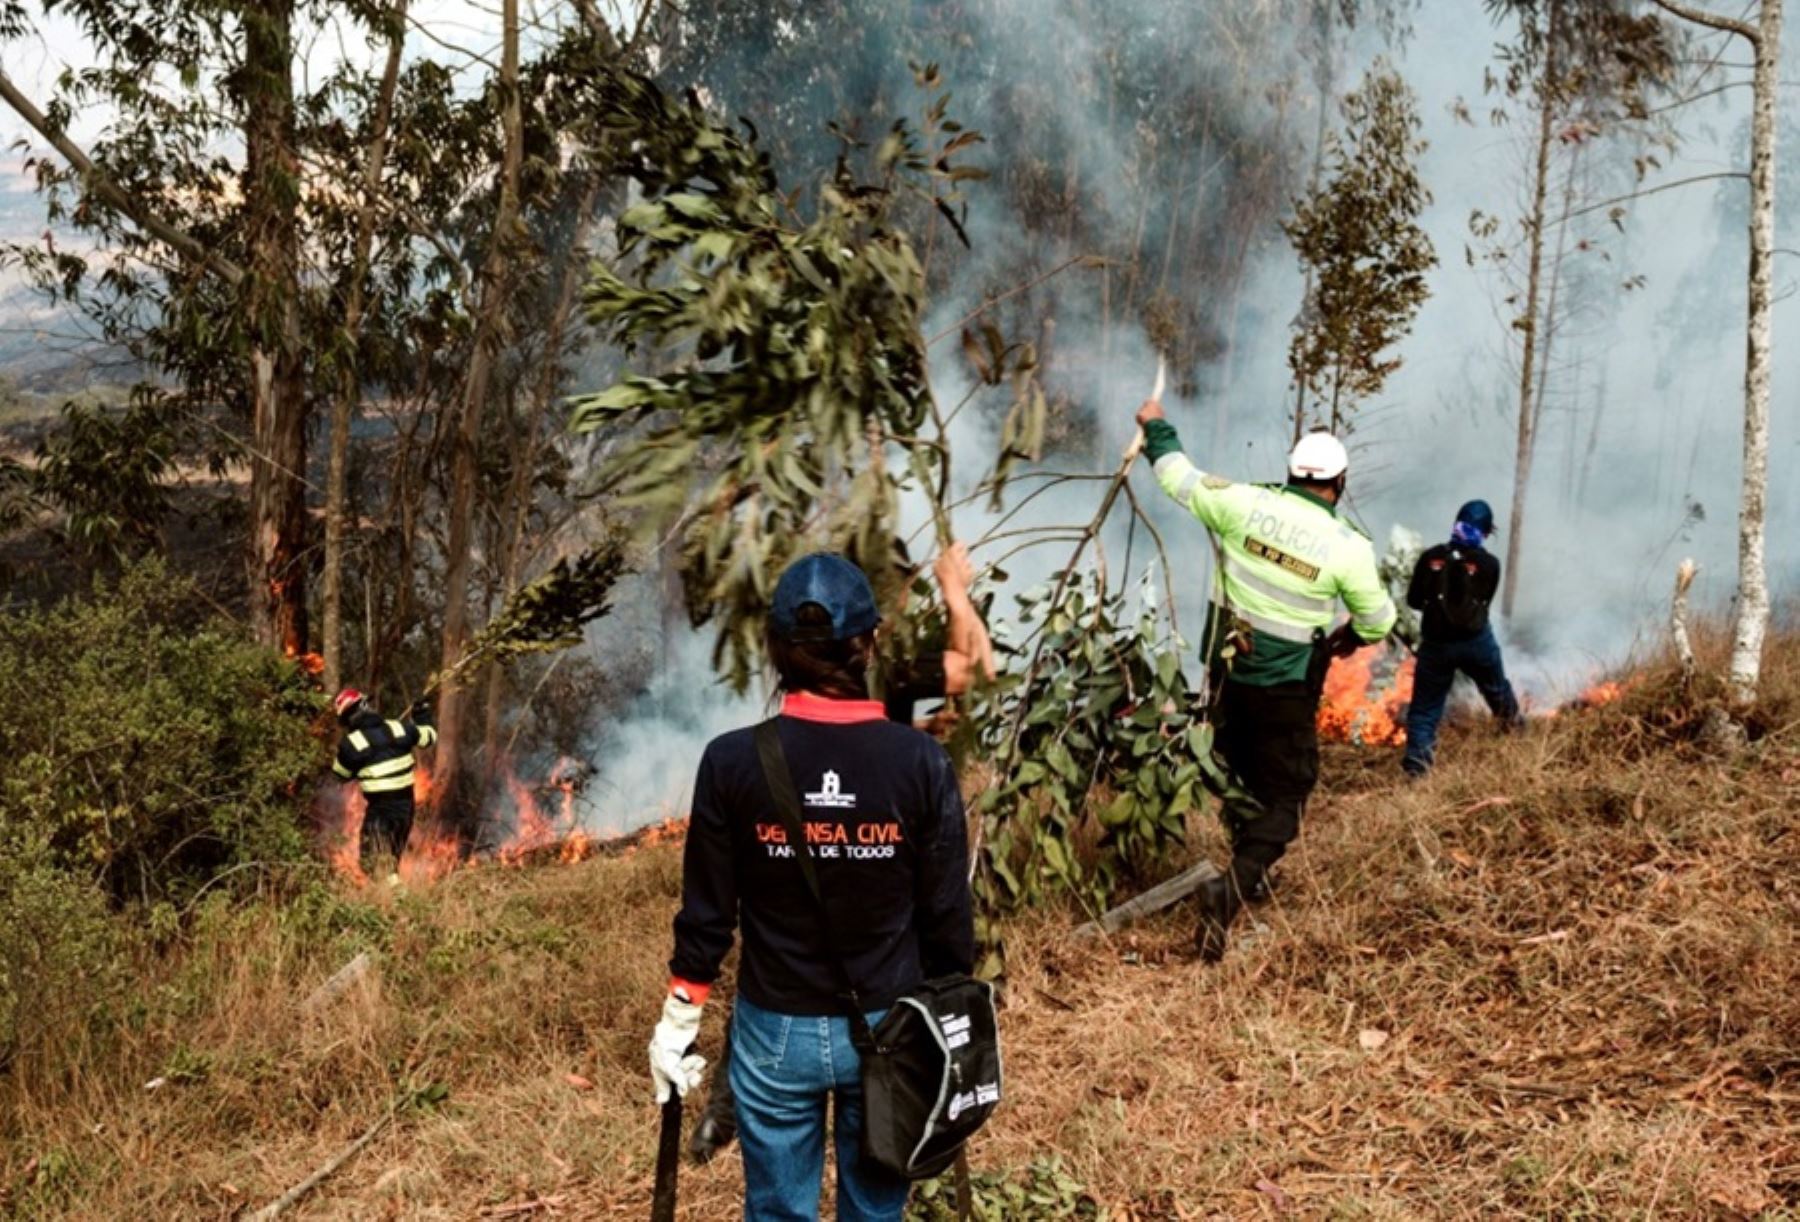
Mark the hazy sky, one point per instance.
(35, 63)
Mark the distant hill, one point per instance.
(44, 348)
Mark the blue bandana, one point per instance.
(1466, 535)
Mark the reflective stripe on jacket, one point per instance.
(378, 754)
(1286, 560)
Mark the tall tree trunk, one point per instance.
(1547, 94)
(525, 460)
(1752, 624)
(490, 327)
(278, 524)
(1322, 15)
(349, 379)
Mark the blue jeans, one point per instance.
(1439, 662)
(782, 1068)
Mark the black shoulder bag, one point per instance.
(931, 1067)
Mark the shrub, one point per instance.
(148, 747)
(60, 959)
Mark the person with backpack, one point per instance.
(1451, 586)
(881, 823)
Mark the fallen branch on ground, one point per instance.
(293, 1196)
(1163, 895)
(340, 980)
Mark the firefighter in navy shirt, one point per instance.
(885, 825)
(1452, 585)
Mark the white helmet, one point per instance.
(1318, 456)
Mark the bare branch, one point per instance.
(1712, 21)
(991, 302)
(474, 56)
(1648, 191)
(113, 195)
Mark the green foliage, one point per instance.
(1040, 1192)
(1100, 751)
(1396, 568)
(548, 614)
(789, 358)
(1358, 233)
(146, 747)
(59, 952)
(103, 470)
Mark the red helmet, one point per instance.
(346, 701)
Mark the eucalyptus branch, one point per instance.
(1088, 534)
(968, 397)
(1088, 260)
(1712, 21)
(1034, 541)
(1649, 191)
(1162, 553)
(114, 196)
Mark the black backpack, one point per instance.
(1457, 600)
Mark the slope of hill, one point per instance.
(1558, 979)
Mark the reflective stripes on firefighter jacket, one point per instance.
(1286, 558)
(378, 754)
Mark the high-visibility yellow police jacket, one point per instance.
(378, 754)
(1285, 559)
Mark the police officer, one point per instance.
(1286, 558)
(378, 755)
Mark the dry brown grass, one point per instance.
(1558, 979)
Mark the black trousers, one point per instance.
(1268, 737)
(387, 822)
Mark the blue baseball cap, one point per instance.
(834, 584)
(1479, 515)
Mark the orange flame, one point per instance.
(1604, 693)
(1354, 709)
(541, 820)
(340, 814)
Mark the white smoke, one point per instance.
(1660, 363)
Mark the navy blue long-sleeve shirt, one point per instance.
(884, 819)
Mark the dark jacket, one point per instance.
(885, 817)
(378, 755)
(1473, 588)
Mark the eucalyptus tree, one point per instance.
(1366, 256)
(193, 191)
(1763, 34)
(1582, 70)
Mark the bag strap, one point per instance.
(787, 806)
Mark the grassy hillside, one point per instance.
(1558, 979)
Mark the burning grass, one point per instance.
(1558, 978)
(522, 822)
(1357, 706)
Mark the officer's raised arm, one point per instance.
(1217, 502)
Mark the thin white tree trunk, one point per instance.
(1752, 624)
(1547, 94)
(1322, 14)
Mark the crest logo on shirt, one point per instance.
(831, 793)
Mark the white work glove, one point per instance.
(673, 1064)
